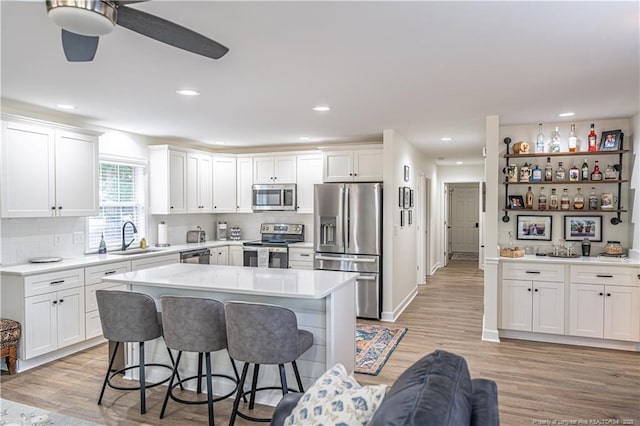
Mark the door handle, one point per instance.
(365, 278)
(476, 224)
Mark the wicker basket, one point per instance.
(512, 252)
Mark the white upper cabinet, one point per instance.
(275, 169)
(244, 180)
(199, 183)
(48, 171)
(167, 180)
(309, 172)
(364, 165)
(224, 184)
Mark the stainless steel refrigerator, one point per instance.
(348, 237)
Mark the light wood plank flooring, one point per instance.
(536, 381)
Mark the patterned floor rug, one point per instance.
(16, 414)
(374, 345)
(464, 256)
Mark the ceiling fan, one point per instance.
(83, 21)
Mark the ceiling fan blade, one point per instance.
(169, 33)
(79, 48)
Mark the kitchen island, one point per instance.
(324, 303)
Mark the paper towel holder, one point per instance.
(163, 244)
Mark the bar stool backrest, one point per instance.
(128, 316)
(193, 324)
(260, 333)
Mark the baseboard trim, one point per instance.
(393, 316)
(571, 340)
(26, 364)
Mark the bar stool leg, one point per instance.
(235, 371)
(283, 379)
(236, 403)
(297, 373)
(143, 379)
(106, 377)
(254, 385)
(199, 385)
(209, 387)
(170, 388)
(177, 373)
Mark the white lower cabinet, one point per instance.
(219, 255)
(300, 258)
(603, 308)
(533, 298)
(236, 256)
(93, 276)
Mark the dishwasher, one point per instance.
(200, 256)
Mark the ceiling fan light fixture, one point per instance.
(85, 17)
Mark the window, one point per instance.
(122, 195)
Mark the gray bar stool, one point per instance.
(263, 334)
(195, 324)
(128, 316)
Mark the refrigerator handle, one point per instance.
(365, 278)
(347, 216)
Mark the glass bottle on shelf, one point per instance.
(574, 173)
(540, 139)
(584, 170)
(560, 172)
(548, 171)
(593, 140)
(553, 200)
(573, 139)
(596, 175)
(554, 146)
(542, 199)
(578, 200)
(564, 200)
(536, 174)
(102, 248)
(528, 199)
(593, 199)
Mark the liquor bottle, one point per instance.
(542, 199)
(528, 199)
(574, 173)
(536, 174)
(573, 139)
(540, 139)
(102, 248)
(560, 172)
(554, 146)
(578, 200)
(548, 171)
(593, 199)
(593, 140)
(596, 175)
(553, 200)
(585, 170)
(564, 200)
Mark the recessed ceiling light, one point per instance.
(446, 139)
(321, 108)
(187, 92)
(304, 138)
(66, 106)
(567, 114)
(459, 162)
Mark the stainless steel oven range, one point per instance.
(272, 250)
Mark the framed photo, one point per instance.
(409, 217)
(407, 197)
(611, 140)
(401, 197)
(410, 199)
(401, 217)
(533, 228)
(578, 228)
(516, 202)
(406, 173)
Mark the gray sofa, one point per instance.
(435, 391)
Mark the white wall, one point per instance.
(634, 176)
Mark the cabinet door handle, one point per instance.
(61, 300)
(59, 207)
(601, 294)
(608, 294)
(528, 289)
(53, 207)
(110, 272)
(535, 289)
(56, 282)
(604, 276)
(55, 302)
(532, 272)
(304, 254)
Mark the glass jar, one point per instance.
(613, 247)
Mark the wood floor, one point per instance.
(536, 381)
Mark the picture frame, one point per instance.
(611, 140)
(401, 197)
(516, 202)
(407, 197)
(401, 217)
(406, 173)
(409, 217)
(410, 198)
(531, 227)
(579, 228)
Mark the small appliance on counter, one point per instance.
(198, 236)
(235, 233)
(222, 231)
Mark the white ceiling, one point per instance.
(425, 69)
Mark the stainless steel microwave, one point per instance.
(274, 197)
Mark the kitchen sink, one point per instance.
(134, 251)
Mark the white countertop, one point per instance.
(294, 283)
(97, 259)
(593, 260)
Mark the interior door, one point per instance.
(464, 218)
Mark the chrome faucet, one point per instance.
(135, 231)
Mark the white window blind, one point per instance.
(122, 195)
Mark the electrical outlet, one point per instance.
(78, 237)
(57, 239)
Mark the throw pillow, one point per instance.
(336, 399)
